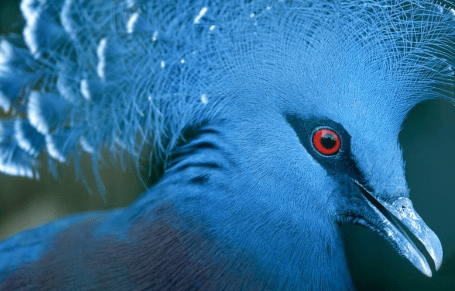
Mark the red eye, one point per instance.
(326, 141)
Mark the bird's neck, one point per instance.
(225, 224)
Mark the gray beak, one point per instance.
(401, 212)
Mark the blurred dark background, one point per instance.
(428, 141)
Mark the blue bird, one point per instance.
(271, 121)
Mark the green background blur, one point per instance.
(428, 141)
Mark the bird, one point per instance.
(271, 123)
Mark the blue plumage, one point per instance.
(230, 95)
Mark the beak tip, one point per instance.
(435, 249)
(422, 265)
(438, 264)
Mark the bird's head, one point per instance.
(327, 115)
(356, 155)
(338, 157)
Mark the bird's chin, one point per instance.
(396, 215)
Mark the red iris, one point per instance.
(326, 141)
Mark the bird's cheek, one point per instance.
(348, 200)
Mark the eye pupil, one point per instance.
(326, 141)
